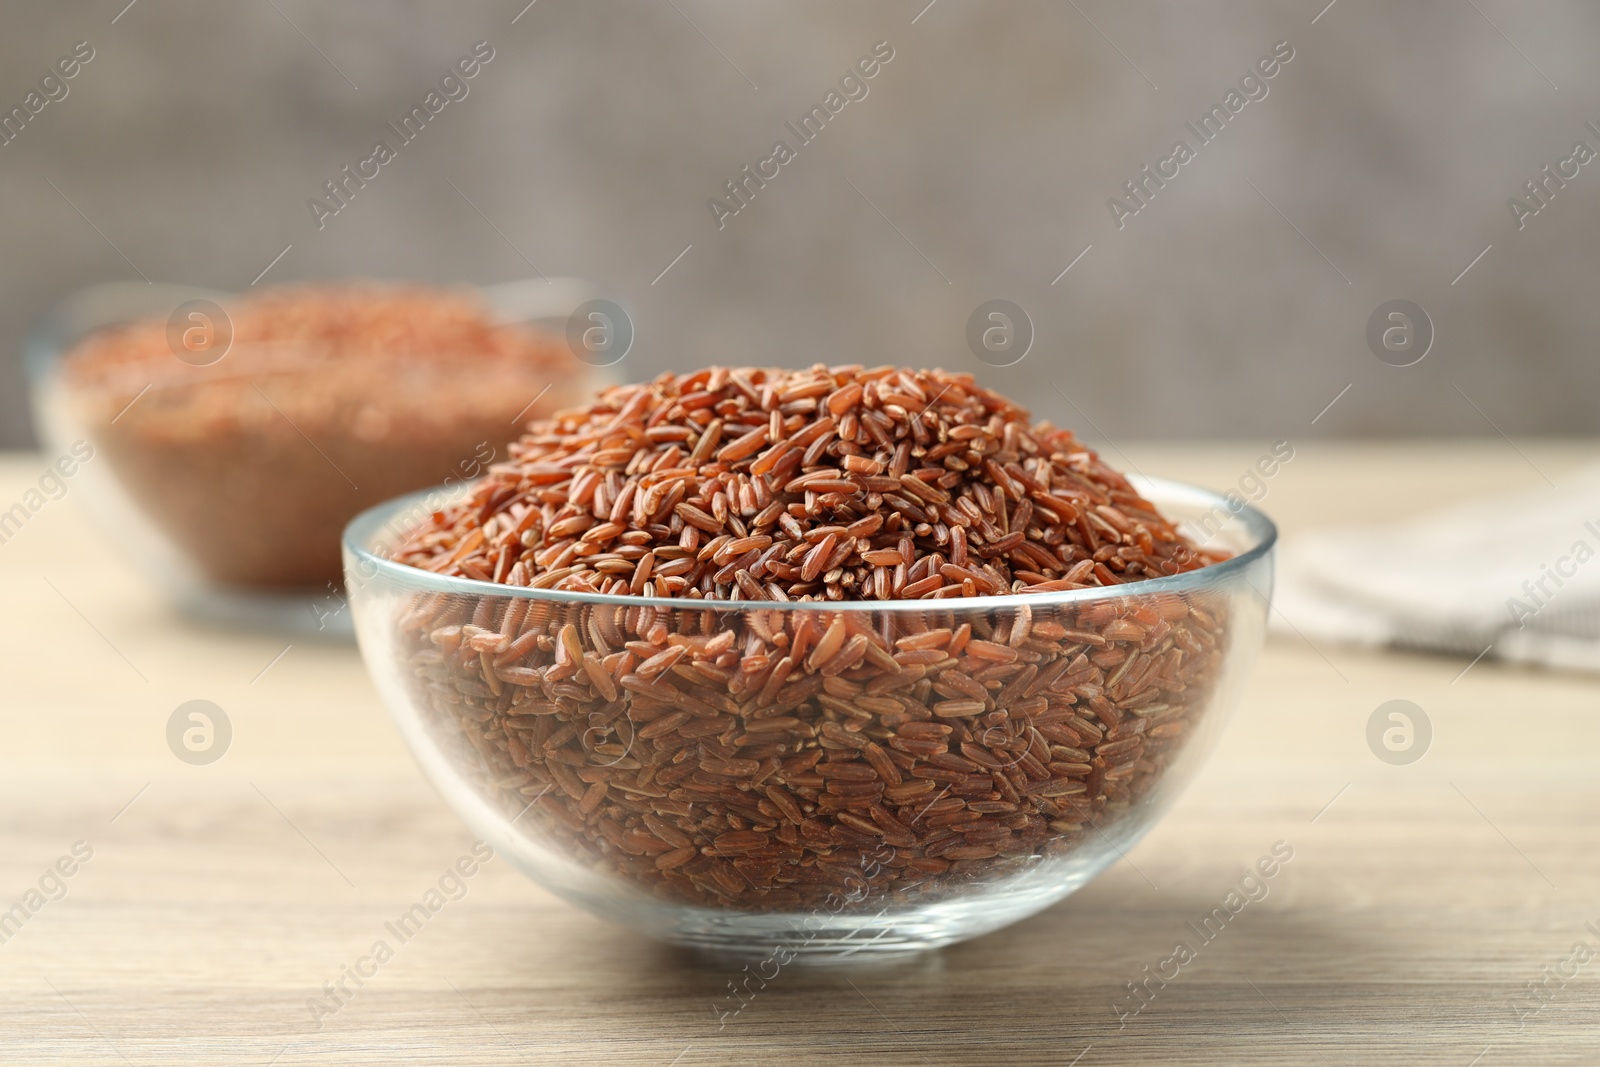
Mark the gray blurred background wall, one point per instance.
(979, 165)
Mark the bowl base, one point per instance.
(310, 614)
(861, 936)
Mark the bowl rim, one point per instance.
(360, 532)
(53, 334)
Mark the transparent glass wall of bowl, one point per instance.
(828, 780)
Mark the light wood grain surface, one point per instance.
(1418, 906)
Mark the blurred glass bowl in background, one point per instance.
(234, 435)
(925, 771)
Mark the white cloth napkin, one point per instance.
(1515, 577)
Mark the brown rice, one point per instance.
(752, 756)
(330, 399)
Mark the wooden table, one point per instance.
(1419, 903)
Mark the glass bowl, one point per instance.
(813, 780)
(228, 472)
